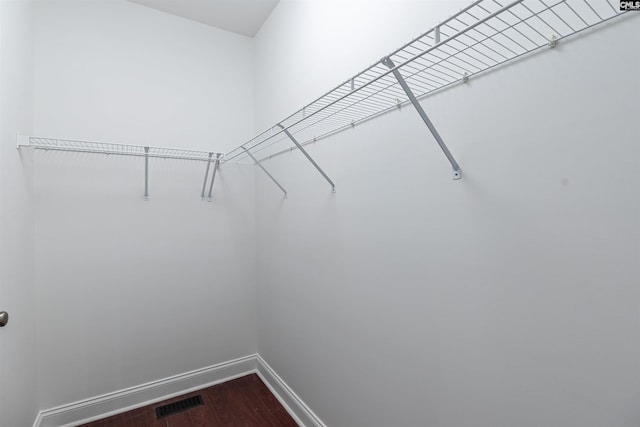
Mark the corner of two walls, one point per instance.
(505, 298)
(454, 295)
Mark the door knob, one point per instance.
(4, 318)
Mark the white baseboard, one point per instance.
(109, 404)
(289, 399)
(146, 394)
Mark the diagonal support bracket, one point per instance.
(146, 173)
(313, 162)
(265, 171)
(457, 173)
(23, 141)
(206, 176)
(216, 165)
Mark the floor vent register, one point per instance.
(179, 406)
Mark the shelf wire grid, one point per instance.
(483, 35)
(56, 144)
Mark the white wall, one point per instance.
(18, 365)
(116, 71)
(509, 298)
(132, 291)
(308, 47)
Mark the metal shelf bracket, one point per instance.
(146, 173)
(206, 176)
(22, 141)
(216, 165)
(265, 171)
(313, 162)
(457, 173)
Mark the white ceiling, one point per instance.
(239, 16)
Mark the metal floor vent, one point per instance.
(179, 406)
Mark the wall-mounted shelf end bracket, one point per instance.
(313, 162)
(265, 171)
(146, 173)
(457, 173)
(22, 141)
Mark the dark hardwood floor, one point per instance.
(243, 402)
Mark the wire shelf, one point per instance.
(146, 152)
(56, 144)
(484, 35)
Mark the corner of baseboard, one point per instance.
(134, 397)
(146, 394)
(299, 410)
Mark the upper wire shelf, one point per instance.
(57, 144)
(76, 146)
(483, 35)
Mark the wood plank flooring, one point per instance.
(243, 402)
